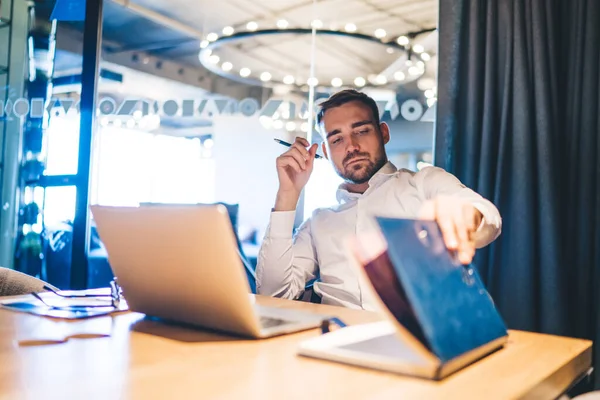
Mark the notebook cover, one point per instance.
(445, 304)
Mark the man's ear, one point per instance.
(325, 150)
(385, 132)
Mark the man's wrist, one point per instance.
(286, 201)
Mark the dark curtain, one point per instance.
(518, 106)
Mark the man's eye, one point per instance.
(336, 140)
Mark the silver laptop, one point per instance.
(180, 263)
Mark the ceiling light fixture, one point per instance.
(395, 45)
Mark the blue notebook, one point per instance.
(440, 315)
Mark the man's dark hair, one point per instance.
(346, 96)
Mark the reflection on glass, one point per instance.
(133, 167)
(59, 204)
(62, 145)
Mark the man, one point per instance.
(354, 144)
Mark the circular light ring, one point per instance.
(242, 35)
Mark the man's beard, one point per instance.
(360, 173)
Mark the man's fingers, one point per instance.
(466, 254)
(301, 149)
(460, 226)
(470, 217)
(312, 152)
(291, 162)
(303, 142)
(446, 223)
(298, 156)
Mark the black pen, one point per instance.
(290, 145)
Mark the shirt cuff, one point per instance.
(487, 216)
(282, 224)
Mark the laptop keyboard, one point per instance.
(268, 322)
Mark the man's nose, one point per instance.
(352, 145)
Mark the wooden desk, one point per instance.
(147, 360)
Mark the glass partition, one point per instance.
(190, 98)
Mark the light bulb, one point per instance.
(252, 26)
(403, 41)
(380, 33)
(211, 37)
(336, 82)
(399, 76)
(265, 76)
(227, 66)
(381, 80)
(228, 30)
(350, 27)
(289, 80)
(360, 81)
(282, 24)
(245, 72)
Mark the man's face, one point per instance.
(353, 142)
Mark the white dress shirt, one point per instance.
(286, 262)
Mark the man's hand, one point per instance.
(293, 170)
(458, 220)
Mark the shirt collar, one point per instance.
(384, 173)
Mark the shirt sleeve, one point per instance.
(434, 181)
(286, 262)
